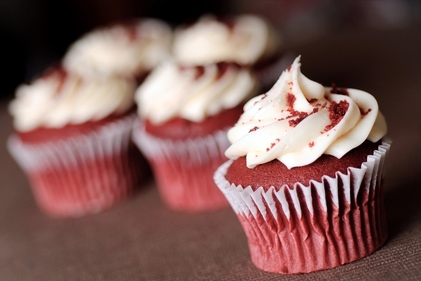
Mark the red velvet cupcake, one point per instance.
(306, 175)
(73, 140)
(248, 40)
(184, 115)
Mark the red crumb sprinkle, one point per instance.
(300, 116)
(289, 68)
(290, 100)
(339, 91)
(364, 113)
(200, 70)
(271, 146)
(336, 112)
(312, 100)
(254, 129)
(311, 144)
(264, 96)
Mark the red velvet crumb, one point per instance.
(254, 129)
(301, 115)
(364, 113)
(290, 100)
(336, 112)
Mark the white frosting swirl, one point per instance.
(123, 49)
(193, 93)
(246, 41)
(59, 98)
(298, 120)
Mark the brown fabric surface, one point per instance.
(141, 240)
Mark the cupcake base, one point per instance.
(323, 225)
(184, 169)
(83, 174)
(322, 240)
(186, 187)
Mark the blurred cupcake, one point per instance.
(306, 175)
(244, 39)
(131, 48)
(73, 140)
(184, 114)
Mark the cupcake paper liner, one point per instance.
(308, 228)
(184, 169)
(84, 174)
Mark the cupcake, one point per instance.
(305, 175)
(184, 113)
(73, 140)
(248, 40)
(130, 48)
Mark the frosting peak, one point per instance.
(298, 120)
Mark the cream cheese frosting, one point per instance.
(193, 93)
(123, 49)
(298, 120)
(59, 98)
(244, 39)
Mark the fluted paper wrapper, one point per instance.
(308, 228)
(184, 169)
(81, 175)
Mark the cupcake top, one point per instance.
(129, 48)
(298, 120)
(59, 98)
(193, 92)
(245, 39)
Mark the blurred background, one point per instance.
(36, 33)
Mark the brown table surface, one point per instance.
(141, 240)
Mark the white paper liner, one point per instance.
(73, 185)
(184, 169)
(245, 201)
(197, 150)
(308, 228)
(112, 138)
